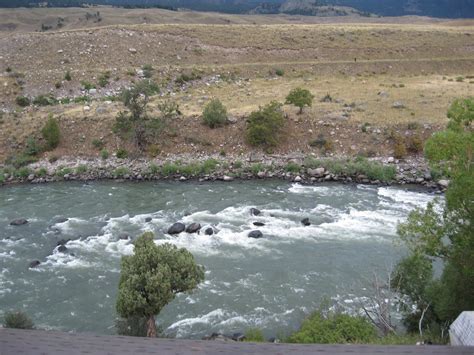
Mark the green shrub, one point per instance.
(264, 126)
(334, 329)
(184, 77)
(41, 172)
(121, 171)
(208, 166)
(87, 85)
(237, 164)
(20, 160)
(153, 169)
(23, 172)
(121, 153)
(103, 79)
(32, 148)
(18, 320)
(169, 169)
(147, 71)
(254, 335)
(45, 100)
(57, 84)
(2, 177)
(63, 171)
(214, 114)
(81, 169)
(300, 98)
(399, 149)
(318, 142)
(279, 72)
(67, 76)
(104, 154)
(51, 133)
(22, 101)
(81, 99)
(292, 167)
(98, 143)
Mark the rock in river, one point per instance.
(255, 234)
(254, 211)
(209, 231)
(176, 228)
(258, 224)
(34, 264)
(305, 222)
(193, 228)
(18, 222)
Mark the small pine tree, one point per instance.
(300, 98)
(152, 277)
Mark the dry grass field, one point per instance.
(366, 65)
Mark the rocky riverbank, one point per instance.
(295, 168)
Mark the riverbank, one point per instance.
(295, 168)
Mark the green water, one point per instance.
(271, 283)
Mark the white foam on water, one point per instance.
(64, 260)
(410, 198)
(70, 225)
(183, 326)
(311, 189)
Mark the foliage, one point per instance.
(254, 335)
(45, 100)
(137, 124)
(292, 167)
(169, 169)
(214, 114)
(81, 169)
(147, 71)
(444, 232)
(103, 79)
(104, 154)
(67, 76)
(264, 126)
(152, 277)
(51, 133)
(334, 328)
(461, 113)
(121, 171)
(87, 85)
(121, 153)
(132, 326)
(98, 143)
(22, 101)
(20, 160)
(300, 98)
(18, 320)
(32, 148)
(415, 144)
(279, 72)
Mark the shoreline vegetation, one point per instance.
(293, 168)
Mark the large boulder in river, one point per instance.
(34, 264)
(193, 228)
(209, 231)
(18, 222)
(254, 211)
(62, 242)
(148, 219)
(305, 222)
(62, 249)
(258, 224)
(176, 228)
(255, 234)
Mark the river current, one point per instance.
(271, 283)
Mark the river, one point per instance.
(271, 283)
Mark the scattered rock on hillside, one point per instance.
(255, 234)
(319, 172)
(18, 222)
(176, 228)
(132, 50)
(398, 105)
(193, 228)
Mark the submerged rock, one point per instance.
(255, 234)
(148, 219)
(62, 248)
(18, 222)
(123, 236)
(60, 220)
(209, 231)
(176, 228)
(255, 211)
(258, 224)
(193, 228)
(62, 242)
(305, 222)
(34, 264)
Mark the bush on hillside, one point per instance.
(264, 126)
(18, 320)
(214, 114)
(51, 133)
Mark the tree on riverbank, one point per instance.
(152, 277)
(448, 236)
